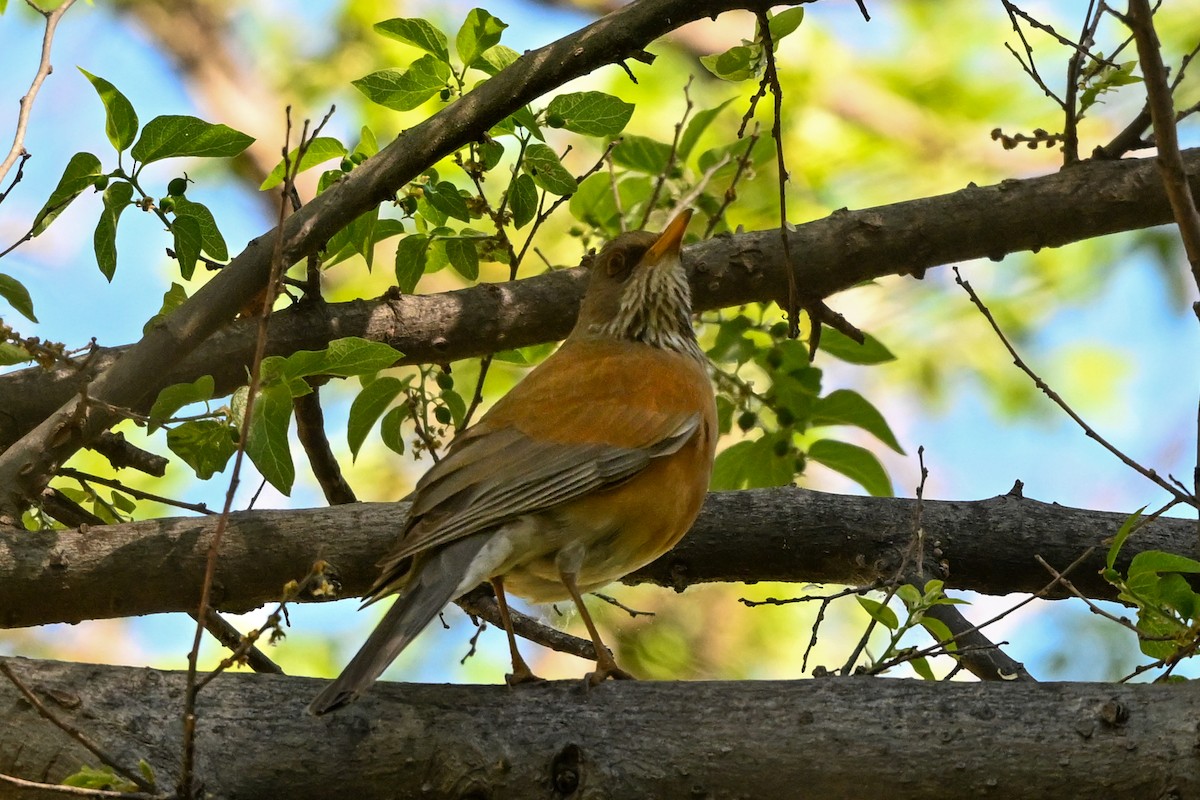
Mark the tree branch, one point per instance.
(841, 250)
(784, 534)
(710, 739)
(27, 466)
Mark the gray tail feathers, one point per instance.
(435, 585)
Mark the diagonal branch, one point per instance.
(26, 467)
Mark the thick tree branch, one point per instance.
(761, 535)
(848, 247)
(710, 739)
(27, 466)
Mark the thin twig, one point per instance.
(76, 734)
(771, 78)
(1158, 96)
(85, 478)
(76, 791)
(43, 71)
(661, 180)
(1149, 474)
(186, 786)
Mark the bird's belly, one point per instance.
(605, 535)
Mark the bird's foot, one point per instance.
(605, 671)
(519, 676)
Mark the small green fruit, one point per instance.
(177, 187)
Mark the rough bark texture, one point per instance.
(762, 535)
(854, 737)
(835, 253)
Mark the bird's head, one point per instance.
(639, 291)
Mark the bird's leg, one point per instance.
(606, 665)
(521, 672)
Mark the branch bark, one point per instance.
(853, 737)
(1089, 200)
(27, 466)
(786, 534)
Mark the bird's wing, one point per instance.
(564, 431)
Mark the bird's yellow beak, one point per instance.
(670, 240)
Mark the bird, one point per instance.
(592, 466)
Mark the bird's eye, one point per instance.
(620, 262)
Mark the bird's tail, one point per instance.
(437, 583)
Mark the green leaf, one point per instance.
(490, 153)
(391, 429)
(102, 779)
(343, 358)
(496, 58)
(783, 23)
(542, 164)
(767, 461)
(173, 298)
(938, 630)
(116, 199)
(920, 666)
(174, 397)
(367, 145)
(81, 173)
(18, 297)
(411, 254)
(735, 64)
(419, 33)
(590, 113)
(848, 407)
(642, 154)
(211, 240)
(456, 404)
(357, 238)
(173, 136)
(121, 121)
(188, 241)
(404, 90)
(479, 32)
(1144, 569)
(267, 437)
(445, 197)
(879, 612)
(13, 354)
(319, 150)
(123, 503)
(593, 204)
(909, 595)
(366, 409)
(205, 445)
(696, 127)
(464, 256)
(839, 345)
(855, 463)
(522, 200)
(1175, 591)
(1127, 527)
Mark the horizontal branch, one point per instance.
(849, 737)
(835, 253)
(785, 534)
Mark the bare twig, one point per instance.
(1149, 474)
(76, 791)
(310, 430)
(186, 787)
(86, 478)
(76, 734)
(1158, 93)
(43, 71)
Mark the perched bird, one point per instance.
(592, 466)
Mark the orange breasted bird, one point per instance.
(591, 467)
